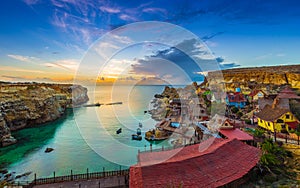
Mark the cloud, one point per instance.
(66, 64)
(127, 17)
(15, 69)
(154, 10)
(174, 63)
(109, 9)
(13, 77)
(27, 59)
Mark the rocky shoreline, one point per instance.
(29, 104)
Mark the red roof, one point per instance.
(235, 133)
(254, 92)
(292, 125)
(287, 93)
(236, 97)
(212, 163)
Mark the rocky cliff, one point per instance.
(29, 104)
(258, 77)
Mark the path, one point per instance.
(114, 181)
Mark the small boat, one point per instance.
(138, 131)
(119, 131)
(140, 125)
(136, 137)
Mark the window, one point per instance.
(287, 116)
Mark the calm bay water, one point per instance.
(86, 137)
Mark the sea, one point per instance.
(85, 138)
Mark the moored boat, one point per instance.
(136, 137)
(119, 131)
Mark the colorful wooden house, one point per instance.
(236, 99)
(276, 119)
(255, 95)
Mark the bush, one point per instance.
(248, 121)
(234, 110)
(239, 114)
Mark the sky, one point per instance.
(49, 40)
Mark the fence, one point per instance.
(168, 148)
(284, 138)
(74, 177)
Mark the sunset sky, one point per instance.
(46, 40)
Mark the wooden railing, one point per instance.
(74, 177)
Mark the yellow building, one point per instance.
(276, 119)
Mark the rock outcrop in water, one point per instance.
(258, 77)
(29, 104)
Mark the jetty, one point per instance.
(114, 103)
(92, 105)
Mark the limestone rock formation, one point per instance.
(257, 77)
(30, 104)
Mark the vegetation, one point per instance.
(248, 121)
(239, 114)
(234, 110)
(258, 133)
(273, 162)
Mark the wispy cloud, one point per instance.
(14, 77)
(27, 59)
(127, 17)
(155, 10)
(66, 64)
(15, 69)
(109, 9)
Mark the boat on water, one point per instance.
(119, 131)
(138, 131)
(136, 137)
(156, 135)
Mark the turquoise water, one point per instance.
(86, 137)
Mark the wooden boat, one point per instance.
(153, 138)
(119, 131)
(136, 137)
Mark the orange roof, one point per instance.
(212, 163)
(235, 133)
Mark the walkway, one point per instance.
(115, 181)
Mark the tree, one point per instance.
(234, 110)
